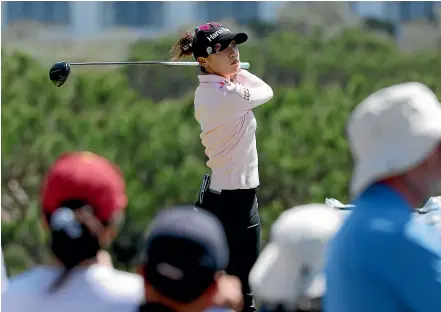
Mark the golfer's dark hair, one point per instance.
(183, 47)
(75, 235)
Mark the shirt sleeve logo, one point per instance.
(246, 94)
(238, 89)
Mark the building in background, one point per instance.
(414, 24)
(404, 20)
(396, 11)
(394, 14)
(96, 16)
(90, 18)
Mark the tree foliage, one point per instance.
(142, 119)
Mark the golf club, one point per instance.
(60, 71)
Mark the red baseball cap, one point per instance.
(85, 176)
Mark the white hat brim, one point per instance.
(276, 277)
(378, 167)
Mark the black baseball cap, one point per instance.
(214, 37)
(185, 251)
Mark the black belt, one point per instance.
(214, 191)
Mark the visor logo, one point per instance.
(169, 271)
(217, 33)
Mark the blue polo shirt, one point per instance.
(383, 258)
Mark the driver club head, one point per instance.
(58, 73)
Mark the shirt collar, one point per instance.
(211, 78)
(386, 195)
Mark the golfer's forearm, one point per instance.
(248, 79)
(249, 91)
(257, 95)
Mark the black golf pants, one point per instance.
(238, 212)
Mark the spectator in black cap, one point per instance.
(83, 201)
(223, 105)
(186, 253)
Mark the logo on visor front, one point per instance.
(217, 33)
(217, 47)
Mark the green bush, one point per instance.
(142, 119)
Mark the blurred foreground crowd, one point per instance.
(381, 252)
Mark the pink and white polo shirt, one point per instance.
(224, 111)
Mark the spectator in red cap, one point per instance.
(83, 201)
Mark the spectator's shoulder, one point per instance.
(30, 278)
(421, 235)
(25, 287)
(370, 232)
(118, 284)
(391, 242)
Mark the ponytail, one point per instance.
(74, 237)
(183, 47)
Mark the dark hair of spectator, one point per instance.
(75, 233)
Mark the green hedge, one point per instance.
(142, 119)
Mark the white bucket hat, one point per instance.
(391, 131)
(290, 267)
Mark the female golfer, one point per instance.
(223, 106)
(83, 199)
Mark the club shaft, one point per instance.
(244, 65)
